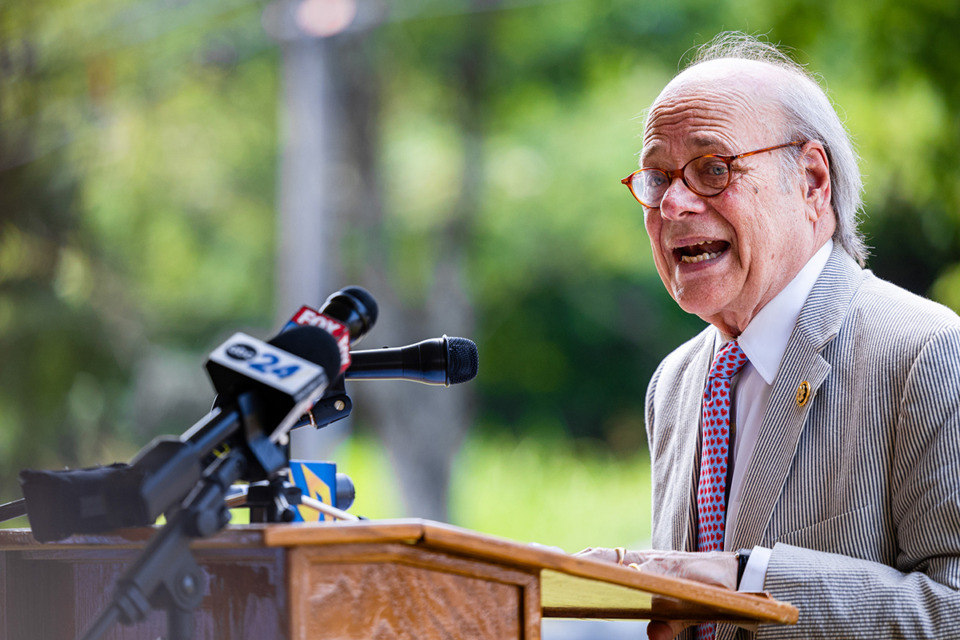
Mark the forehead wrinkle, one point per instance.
(710, 114)
(702, 116)
(711, 133)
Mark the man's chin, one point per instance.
(698, 301)
(705, 307)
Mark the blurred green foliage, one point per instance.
(551, 491)
(138, 163)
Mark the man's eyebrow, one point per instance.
(651, 150)
(645, 155)
(704, 143)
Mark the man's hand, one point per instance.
(717, 568)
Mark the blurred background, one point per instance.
(173, 171)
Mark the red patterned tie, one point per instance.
(714, 452)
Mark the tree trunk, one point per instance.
(309, 226)
(330, 174)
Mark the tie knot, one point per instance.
(729, 360)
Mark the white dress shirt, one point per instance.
(764, 342)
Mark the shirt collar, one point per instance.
(765, 339)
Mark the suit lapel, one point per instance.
(689, 458)
(785, 416)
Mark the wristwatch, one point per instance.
(743, 555)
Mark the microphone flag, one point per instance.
(309, 317)
(317, 480)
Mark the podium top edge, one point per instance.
(529, 557)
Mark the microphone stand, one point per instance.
(13, 509)
(232, 443)
(166, 576)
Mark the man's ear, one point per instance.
(816, 172)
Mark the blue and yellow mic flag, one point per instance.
(317, 480)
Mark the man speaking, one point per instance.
(811, 433)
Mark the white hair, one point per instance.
(809, 116)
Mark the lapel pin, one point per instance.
(803, 393)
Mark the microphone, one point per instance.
(292, 370)
(263, 388)
(440, 361)
(347, 315)
(311, 345)
(355, 308)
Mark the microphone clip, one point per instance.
(334, 405)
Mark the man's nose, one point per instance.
(679, 200)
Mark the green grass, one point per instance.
(549, 491)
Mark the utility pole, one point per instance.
(312, 117)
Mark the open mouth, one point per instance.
(706, 250)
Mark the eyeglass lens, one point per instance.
(705, 176)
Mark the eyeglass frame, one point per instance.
(678, 173)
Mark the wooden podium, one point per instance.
(364, 580)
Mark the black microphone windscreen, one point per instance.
(313, 344)
(366, 299)
(355, 308)
(463, 360)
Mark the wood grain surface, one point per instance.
(346, 580)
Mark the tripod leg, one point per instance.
(13, 510)
(179, 624)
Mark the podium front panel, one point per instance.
(358, 592)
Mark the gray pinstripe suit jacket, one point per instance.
(858, 491)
